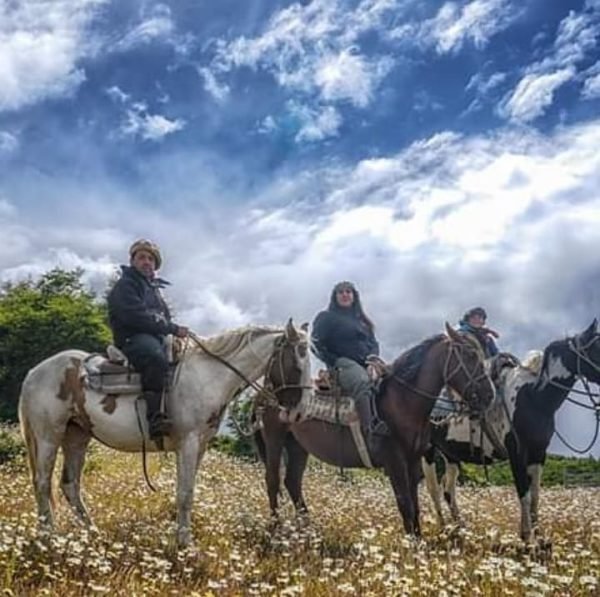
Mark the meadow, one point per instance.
(351, 545)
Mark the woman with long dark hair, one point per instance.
(343, 336)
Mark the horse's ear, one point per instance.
(452, 333)
(590, 331)
(290, 331)
(304, 326)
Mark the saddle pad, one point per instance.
(106, 377)
(322, 406)
(444, 406)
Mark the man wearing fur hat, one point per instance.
(140, 320)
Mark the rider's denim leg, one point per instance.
(147, 355)
(353, 379)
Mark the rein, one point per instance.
(472, 379)
(266, 392)
(253, 384)
(594, 406)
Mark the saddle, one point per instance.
(113, 374)
(327, 403)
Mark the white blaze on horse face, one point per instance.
(303, 357)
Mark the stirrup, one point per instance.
(159, 426)
(379, 427)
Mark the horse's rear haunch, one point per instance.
(57, 411)
(405, 404)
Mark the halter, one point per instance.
(582, 355)
(472, 376)
(269, 393)
(268, 385)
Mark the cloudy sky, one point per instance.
(439, 154)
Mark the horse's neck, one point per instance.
(253, 356)
(555, 383)
(431, 377)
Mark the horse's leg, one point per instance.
(74, 446)
(414, 470)
(518, 460)
(188, 459)
(296, 464)
(431, 481)
(450, 478)
(45, 459)
(397, 470)
(535, 474)
(274, 439)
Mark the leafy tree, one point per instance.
(40, 318)
(233, 440)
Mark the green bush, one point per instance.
(557, 470)
(11, 444)
(40, 318)
(231, 441)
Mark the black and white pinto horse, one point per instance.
(522, 417)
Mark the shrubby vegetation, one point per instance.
(12, 448)
(40, 318)
(558, 470)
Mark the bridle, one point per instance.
(581, 352)
(276, 362)
(474, 376)
(267, 389)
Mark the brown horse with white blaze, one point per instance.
(405, 400)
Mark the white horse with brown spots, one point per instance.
(58, 410)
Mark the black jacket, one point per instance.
(340, 333)
(136, 306)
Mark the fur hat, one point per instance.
(474, 311)
(146, 245)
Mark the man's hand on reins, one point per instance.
(182, 331)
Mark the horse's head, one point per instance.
(586, 347)
(288, 371)
(465, 370)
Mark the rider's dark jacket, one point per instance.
(342, 333)
(483, 336)
(136, 306)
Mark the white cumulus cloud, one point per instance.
(576, 38)
(41, 45)
(312, 50)
(150, 127)
(533, 94)
(476, 21)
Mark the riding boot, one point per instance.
(158, 423)
(373, 440)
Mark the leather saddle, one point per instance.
(113, 374)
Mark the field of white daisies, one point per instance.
(352, 544)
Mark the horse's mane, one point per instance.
(229, 342)
(408, 364)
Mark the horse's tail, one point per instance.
(32, 448)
